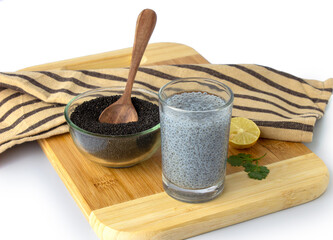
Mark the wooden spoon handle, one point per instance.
(144, 28)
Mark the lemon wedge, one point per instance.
(244, 133)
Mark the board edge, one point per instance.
(313, 187)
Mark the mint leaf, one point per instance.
(239, 159)
(235, 161)
(254, 170)
(259, 173)
(249, 167)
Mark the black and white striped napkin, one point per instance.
(284, 106)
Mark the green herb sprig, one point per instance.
(253, 170)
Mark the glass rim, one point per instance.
(227, 104)
(73, 125)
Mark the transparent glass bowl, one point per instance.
(114, 150)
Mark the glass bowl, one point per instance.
(114, 150)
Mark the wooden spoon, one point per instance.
(123, 111)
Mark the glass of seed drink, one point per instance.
(195, 118)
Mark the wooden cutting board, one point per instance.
(131, 204)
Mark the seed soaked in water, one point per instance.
(244, 133)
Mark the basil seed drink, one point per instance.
(195, 135)
(195, 146)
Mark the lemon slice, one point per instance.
(244, 133)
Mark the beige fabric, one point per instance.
(284, 106)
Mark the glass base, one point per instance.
(192, 195)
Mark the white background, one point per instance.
(292, 36)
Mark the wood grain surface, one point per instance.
(131, 204)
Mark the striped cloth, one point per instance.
(285, 107)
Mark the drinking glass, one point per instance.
(195, 116)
